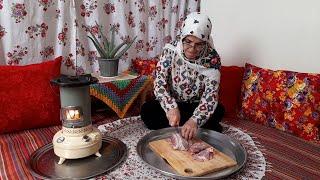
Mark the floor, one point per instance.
(288, 157)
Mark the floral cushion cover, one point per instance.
(286, 100)
(144, 66)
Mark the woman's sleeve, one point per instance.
(161, 87)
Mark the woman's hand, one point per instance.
(173, 116)
(189, 129)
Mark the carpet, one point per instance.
(130, 130)
(288, 156)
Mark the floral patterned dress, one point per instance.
(181, 80)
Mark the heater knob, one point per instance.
(86, 138)
(60, 139)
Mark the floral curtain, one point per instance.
(33, 31)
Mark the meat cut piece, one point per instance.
(205, 154)
(199, 150)
(178, 142)
(197, 147)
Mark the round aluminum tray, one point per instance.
(219, 141)
(44, 163)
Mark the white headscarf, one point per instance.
(200, 26)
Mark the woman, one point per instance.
(187, 82)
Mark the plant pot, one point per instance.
(108, 67)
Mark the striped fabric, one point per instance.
(290, 157)
(120, 95)
(16, 149)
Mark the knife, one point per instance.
(177, 129)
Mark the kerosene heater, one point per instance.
(77, 138)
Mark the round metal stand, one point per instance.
(223, 143)
(44, 163)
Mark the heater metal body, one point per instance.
(78, 138)
(77, 96)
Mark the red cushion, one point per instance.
(286, 100)
(27, 100)
(230, 89)
(144, 66)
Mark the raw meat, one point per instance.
(178, 142)
(204, 155)
(199, 150)
(197, 147)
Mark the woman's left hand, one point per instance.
(189, 129)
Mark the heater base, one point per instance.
(43, 163)
(61, 160)
(75, 147)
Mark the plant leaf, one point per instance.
(105, 41)
(112, 39)
(125, 49)
(97, 45)
(115, 50)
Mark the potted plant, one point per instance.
(109, 52)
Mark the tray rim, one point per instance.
(49, 146)
(174, 175)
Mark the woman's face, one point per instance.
(192, 46)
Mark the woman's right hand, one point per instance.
(173, 116)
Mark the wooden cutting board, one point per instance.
(185, 165)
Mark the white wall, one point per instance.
(276, 34)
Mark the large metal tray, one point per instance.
(219, 141)
(44, 163)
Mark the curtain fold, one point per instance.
(33, 31)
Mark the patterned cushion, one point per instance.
(144, 66)
(286, 100)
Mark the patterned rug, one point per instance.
(130, 130)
